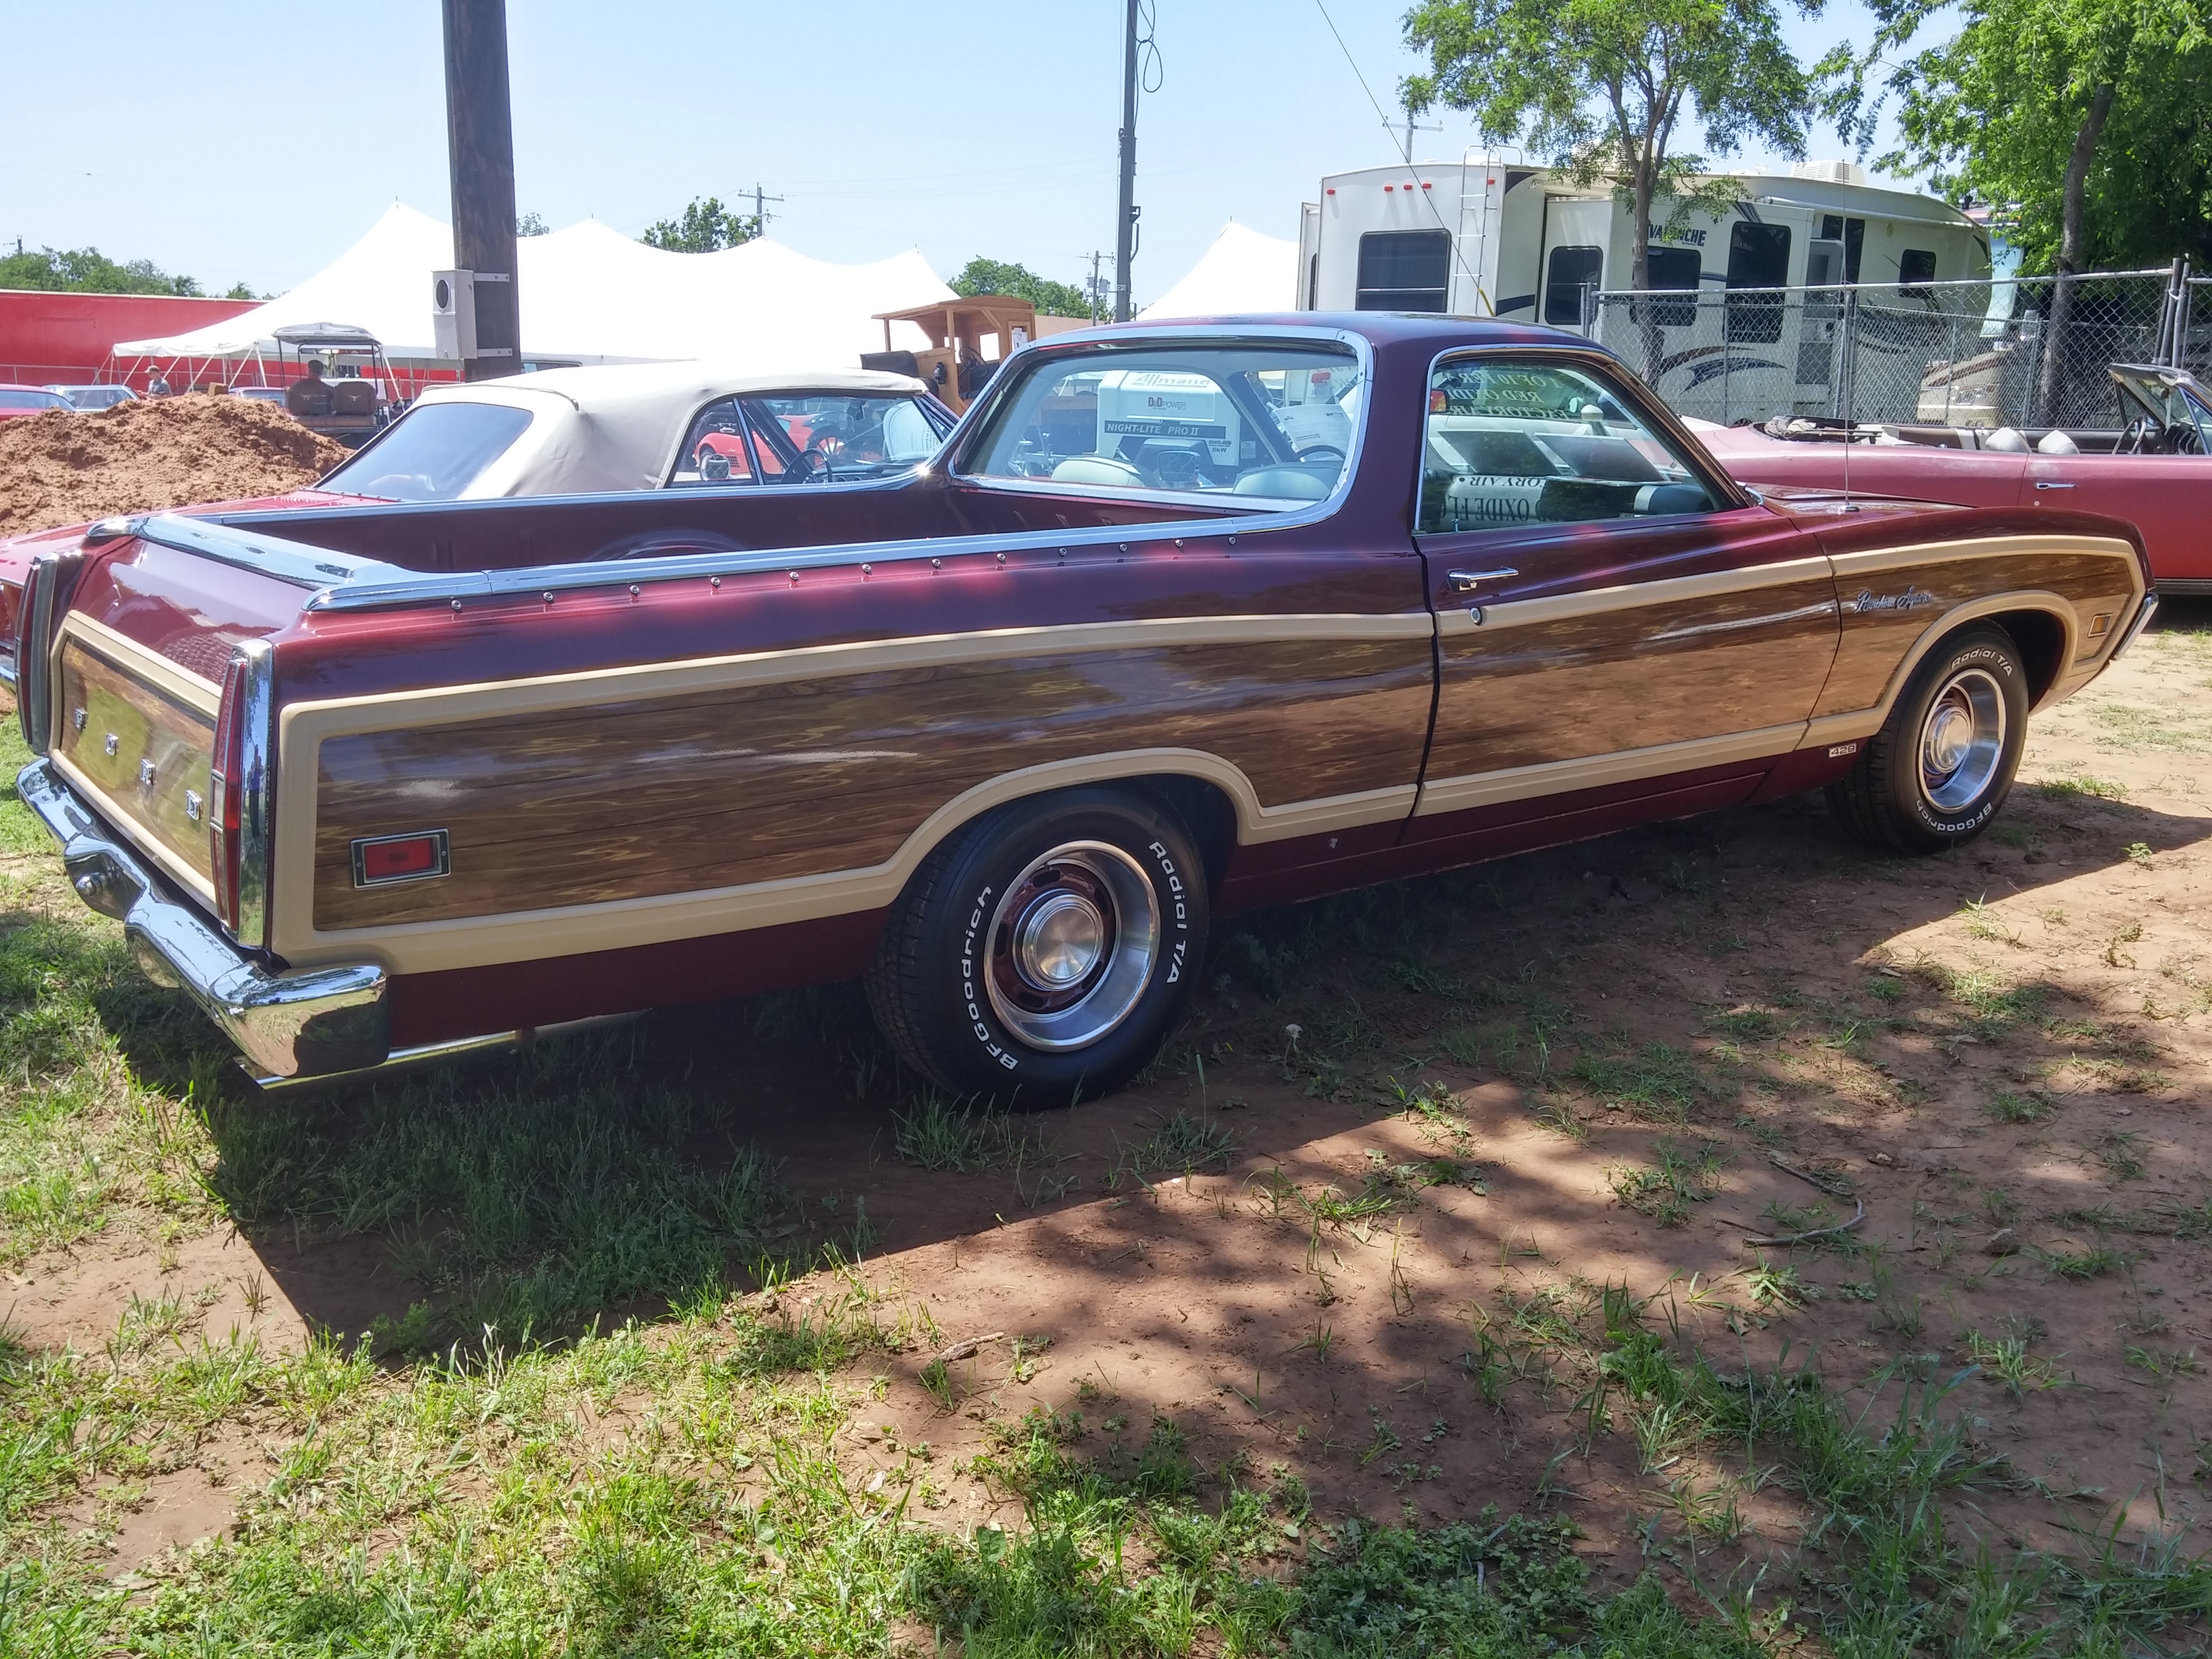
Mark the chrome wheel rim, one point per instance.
(1962, 740)
(1073, 944)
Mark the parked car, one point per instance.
(2152, 468)
(1003, 733)
(95, 397)
(647, 426)
(29, 400)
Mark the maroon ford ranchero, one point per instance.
(1180, 619)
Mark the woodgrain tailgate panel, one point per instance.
(145, 725)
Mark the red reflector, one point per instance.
(381, 859)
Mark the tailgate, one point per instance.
(126, 638)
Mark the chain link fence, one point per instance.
(2025, 351)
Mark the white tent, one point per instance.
(592, 294)
(1242, 271)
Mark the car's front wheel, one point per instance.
(1943, 762)
(1040, 955)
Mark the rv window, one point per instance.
(1916, 267)
(1851, 233)
(1404, 271)
(1758, 257)
(1569, 272)
(1514, 443)
(1675, 269)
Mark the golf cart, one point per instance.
(336, 380)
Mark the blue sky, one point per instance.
(957, 130)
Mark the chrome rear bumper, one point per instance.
(297, 1022)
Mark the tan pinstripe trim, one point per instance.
(442, 705)
(1850, 566)
(1674, 590)
(1595, 771)
(138, 661)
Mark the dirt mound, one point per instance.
(59, 469)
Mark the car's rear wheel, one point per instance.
(1040, 955)
(1943, 762)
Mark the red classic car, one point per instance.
(2153, 469)
(1002, 733)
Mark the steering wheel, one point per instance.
(815, 463)
(1320, 453)
(2140, 436)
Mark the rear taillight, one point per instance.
(226, 819)
(241, 775)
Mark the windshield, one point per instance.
(32, 400)
(1273, 422)
(431, 453)
(2166, 397)
(814, 437)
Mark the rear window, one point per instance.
(32, 400)
(1265, 423)
(431, 453)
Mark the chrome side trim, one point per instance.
(289, 1024)
(2144, 613)
(295, 563)
(256, 789)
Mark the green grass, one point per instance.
(1658, 1083)
(1685, 1175)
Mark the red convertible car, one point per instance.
(999, 733)
(2152, 469)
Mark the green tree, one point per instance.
(1609, 89)
(2083, 123)
(533, 224)
(703, 227)
(981, 275)
(88, 271)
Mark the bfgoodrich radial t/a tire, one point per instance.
(1040, 955)
(1943, 762)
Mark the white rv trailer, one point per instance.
(1484, 237)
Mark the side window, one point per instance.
(1675, 270)
(1758, 257)
(1916, 268)
(713, 450)
(1511, 443)
(1404, 271)
(1566, 274)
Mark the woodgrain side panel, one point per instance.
(1876, 639)
(1614, 676)
(714, 788)
(146, 725)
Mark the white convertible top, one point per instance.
(618, 427)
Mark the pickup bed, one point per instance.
(1000, 734)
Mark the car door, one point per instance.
(2161, 490)
(1612, 614)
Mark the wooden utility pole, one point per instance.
(1125, 232)
(480, 144)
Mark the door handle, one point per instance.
(1464, 581)
(2051, 483)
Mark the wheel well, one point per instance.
(1206, 811)
(2042, 641)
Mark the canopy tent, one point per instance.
(592, 294)
(1242, 271)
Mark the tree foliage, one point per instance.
(1610, 90)
(2083, 123)
(702, 227)
(981, 275)
(88, 271)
